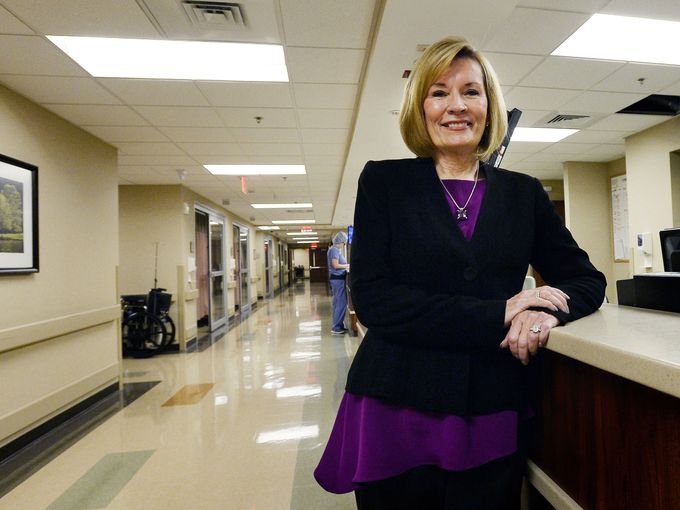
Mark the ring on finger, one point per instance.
(536, 328)
(538, 294)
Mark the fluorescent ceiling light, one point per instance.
(282, 206)
(175, 60)
(301, 233)
(265, 227)
(307, 242)
(609, 37)
(292, 222)
(255, 169)
(312, 239)
(540, 134)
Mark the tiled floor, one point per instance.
(237, 426)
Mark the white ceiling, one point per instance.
(345, 60)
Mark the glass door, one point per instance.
(244, 270)
(268, 270)
(236, 254)
(218, 287)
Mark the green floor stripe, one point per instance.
(103, 482)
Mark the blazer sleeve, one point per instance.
(401, 313)
(562, 264)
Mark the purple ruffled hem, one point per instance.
(372, 441)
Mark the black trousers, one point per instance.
(496, 485)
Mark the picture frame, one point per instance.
(18, 217)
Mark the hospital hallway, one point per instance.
(239, 424)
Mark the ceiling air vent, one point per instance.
(566, 120)
(228, 15)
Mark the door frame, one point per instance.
(214, 215)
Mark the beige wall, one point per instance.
(59, 328)
(556, 188)
(587, 214)
(650, 200)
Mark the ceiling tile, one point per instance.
(673, 90)
(33, 55)
(309, 95)
(211, 149)
(336, 136)
(155, 92)
(600, 102)
(275, 95)
(122, 18)
(287, 159)
(180, 116)
(512, 68)
(9, 24)
(569, 73)
(594, 136)
(148, 148)
(659, 9)
(198, 134)
(269, 117)
(539, 98)
(655, 78)
(59, 89)
(531, 117)
(548, 30)
(127, 160)
(327, 23)
(565, 148)
(586, 6)
(325, 118)
(269, 149)
(113, 134)
(315, 149)
(98, 115)
(324, 65)
(628, 122)
(262, 134)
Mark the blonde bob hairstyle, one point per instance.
(432, 64)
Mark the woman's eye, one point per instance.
(472, 92)
(438, 93)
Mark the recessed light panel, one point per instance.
(548, 135)
(292, 222)
(175, 60)
(609, 37)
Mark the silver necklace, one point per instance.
(462, 214)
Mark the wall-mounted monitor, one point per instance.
(670, 249)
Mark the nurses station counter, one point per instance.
(607, 404)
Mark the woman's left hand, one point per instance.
(529, 330)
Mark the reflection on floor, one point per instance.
(239, 425)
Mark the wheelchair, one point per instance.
(147, 327)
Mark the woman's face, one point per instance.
(455, 108)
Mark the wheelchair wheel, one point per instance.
(169, 326)
(143, 335)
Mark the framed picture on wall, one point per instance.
(18, 216)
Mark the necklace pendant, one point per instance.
(462, 214)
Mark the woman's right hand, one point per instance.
(543, 297)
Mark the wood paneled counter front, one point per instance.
(607, 402)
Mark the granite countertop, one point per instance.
(634, 343)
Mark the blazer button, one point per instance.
(470, 273)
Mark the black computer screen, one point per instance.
(670, 242)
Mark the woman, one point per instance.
(436, 393)
(337, 271)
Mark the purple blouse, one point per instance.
(373, 440)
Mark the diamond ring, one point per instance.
(538, 294)
(536, 328)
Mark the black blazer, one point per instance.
(434, 302)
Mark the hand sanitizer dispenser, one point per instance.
(644, 246)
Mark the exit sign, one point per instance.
(314, 245)
(306, 229)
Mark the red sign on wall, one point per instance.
(305, 229)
